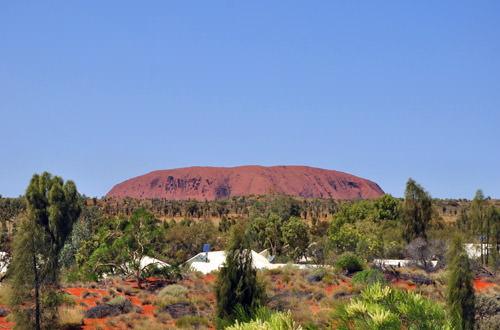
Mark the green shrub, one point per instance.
(275, 321)
(174, 290)
(382, 307)
(191, 321)
(317, 275)
(59, 298)
(368, 276)
(349, 262)
(117, 301)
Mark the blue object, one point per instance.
(271, 259)
(206, 247)
(482, 238)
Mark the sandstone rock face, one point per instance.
(210, 183)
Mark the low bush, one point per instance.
(70, 317)
(367, 276)
(349, 263)
(174, 290)
(192, 321)
(116, 306)
(317, 275)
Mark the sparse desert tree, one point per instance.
(53, 207)
(269, 230)
(417, 211)
(480, 221)
(126, 247)
(296, 236)
(460, 290)
(237, 285)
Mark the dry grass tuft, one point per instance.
(71, 316)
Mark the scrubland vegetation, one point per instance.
(76, 262)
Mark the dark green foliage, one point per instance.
(417, 211)
(82, 231)
(123, 243)
(285, 206)
(460, 289)
(384, 207)
(26, 273)
(349, 262)
(367, 276)
(237, 283)
(296, 236)
(10, 209)
(53, 207)
(269, 231)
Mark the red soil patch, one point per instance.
(330, 288)
(148, 309)
(135, 301)
(209, 278)
(94, 323)
(90, 301)
(480, 285)
(401, 284)
(5, 324)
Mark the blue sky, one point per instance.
(102, 91)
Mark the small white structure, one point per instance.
(146, 261)
(399, 262)
(207, 262)
(4, 262)
(474, 250)
(393, 262)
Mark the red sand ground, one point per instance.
(479, 285)
(210, 183)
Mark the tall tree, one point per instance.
(494, 217)
(237, 284)
(417, 211)
(296, 236)
(460, 290)
(269, 231)
(480, 221)
(53, 207)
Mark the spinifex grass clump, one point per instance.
(382, 307)
(274, 321)
(174, 290)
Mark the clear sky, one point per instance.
(102, 91)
